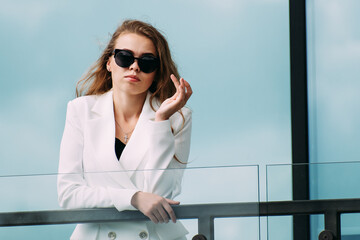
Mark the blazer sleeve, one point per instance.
(168, 154)
(73, 190)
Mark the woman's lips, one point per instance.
(132, 78)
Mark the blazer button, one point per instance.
(143, 235)
(112, 235)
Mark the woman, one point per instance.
(130, 118)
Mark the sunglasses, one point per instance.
(147, 63)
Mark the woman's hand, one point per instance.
(176, 102)
(153, 206)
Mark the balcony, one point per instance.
(234, 211)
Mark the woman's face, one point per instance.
(132, 80)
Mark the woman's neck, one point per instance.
(127, 107)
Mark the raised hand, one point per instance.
(153, 206)
(176, 102)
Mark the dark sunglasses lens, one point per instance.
(148, 64)
(124, 58)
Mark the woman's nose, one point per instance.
(135, 66)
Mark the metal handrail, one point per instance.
(205, 213)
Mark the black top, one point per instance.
(119, 147)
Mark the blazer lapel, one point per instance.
(101, 135)
(135, 151)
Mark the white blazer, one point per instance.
(91, 176)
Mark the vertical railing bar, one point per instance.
(332, 223)
(258, 206)
(206, 227)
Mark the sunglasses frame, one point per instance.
(140, 61)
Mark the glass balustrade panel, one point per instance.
(227, 185)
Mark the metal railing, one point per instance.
(205, 213)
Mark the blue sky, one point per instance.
(334, 103)
(234, 53)
(236, 59)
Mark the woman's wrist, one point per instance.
(159, 117)
(134, 199)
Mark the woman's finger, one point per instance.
(181, 95)
(172, 202)
(177, 85)
(158, 216)
(174, 80)
(153, 218)
(189, 91)
(164, 216)
(171, 212)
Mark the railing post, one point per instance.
(326, 235)
(332, 224)
(206, 227)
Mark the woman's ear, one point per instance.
(108, 65)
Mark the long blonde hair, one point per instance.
(97, 80)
